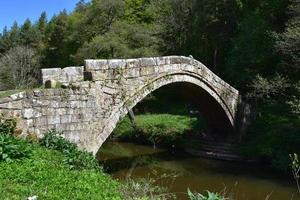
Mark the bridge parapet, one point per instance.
(65, 76)
(88, 112)
(134, 71)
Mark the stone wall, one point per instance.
(88, 111)
(66, 75)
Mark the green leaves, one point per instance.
(264, 89)
(209, 196)
(75, 158)
(11, 148)
(7, 125)
(295, 165)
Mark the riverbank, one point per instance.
(45, 174)
(53, 168)
(177, 132)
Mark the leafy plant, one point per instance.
(295, 165)
(46, 176)
(144, 189)
(209, 196)
(11, 148)
(74, 157)
(7, 125)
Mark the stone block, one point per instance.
(132, 63)
(18, 96)
(117, 63)
(53, 119)
(147, 62)
(40, 122)
(95, 65)
(50, 74)
(5, 100)
(30, 113)
(64, 119)
(71, 75)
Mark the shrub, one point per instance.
(210, 196)
(295, 165)
(19, 68)
(7, 125)
(11, 148)
(144, 189)
(75, 158)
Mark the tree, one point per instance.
(122, 41)
(56, 54)
(29, 35)
(199, 28)
(288, 42)
(251, 52)
(42, 23)
(19, 68)
(10, 38)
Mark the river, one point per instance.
(179, 171)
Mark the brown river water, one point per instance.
(179, 171)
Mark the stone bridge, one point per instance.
(87, 102)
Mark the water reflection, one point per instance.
(180, 171)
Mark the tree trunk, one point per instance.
(215, 59)
(132, 118)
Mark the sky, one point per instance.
(20, 10)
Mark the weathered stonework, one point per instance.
(66, 75)
(88, 111)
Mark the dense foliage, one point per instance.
(11, 148)
(253, 45)
(75, 158)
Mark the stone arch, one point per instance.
(123, 108)
(95, 97)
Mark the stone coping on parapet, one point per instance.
(100, 64)
(64, 75)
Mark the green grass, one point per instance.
(161, 128)
(8, 93)
(44, 174)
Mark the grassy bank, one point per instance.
(7, 93)
(164, 129)
(46, 174)
(54, 168)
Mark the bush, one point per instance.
(144, 189)
(19, 68)
(7, 125)
(273, 136)
(11, 148)
(210, 196)
(75, 158)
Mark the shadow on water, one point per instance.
(245, 180)
(148, 156)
